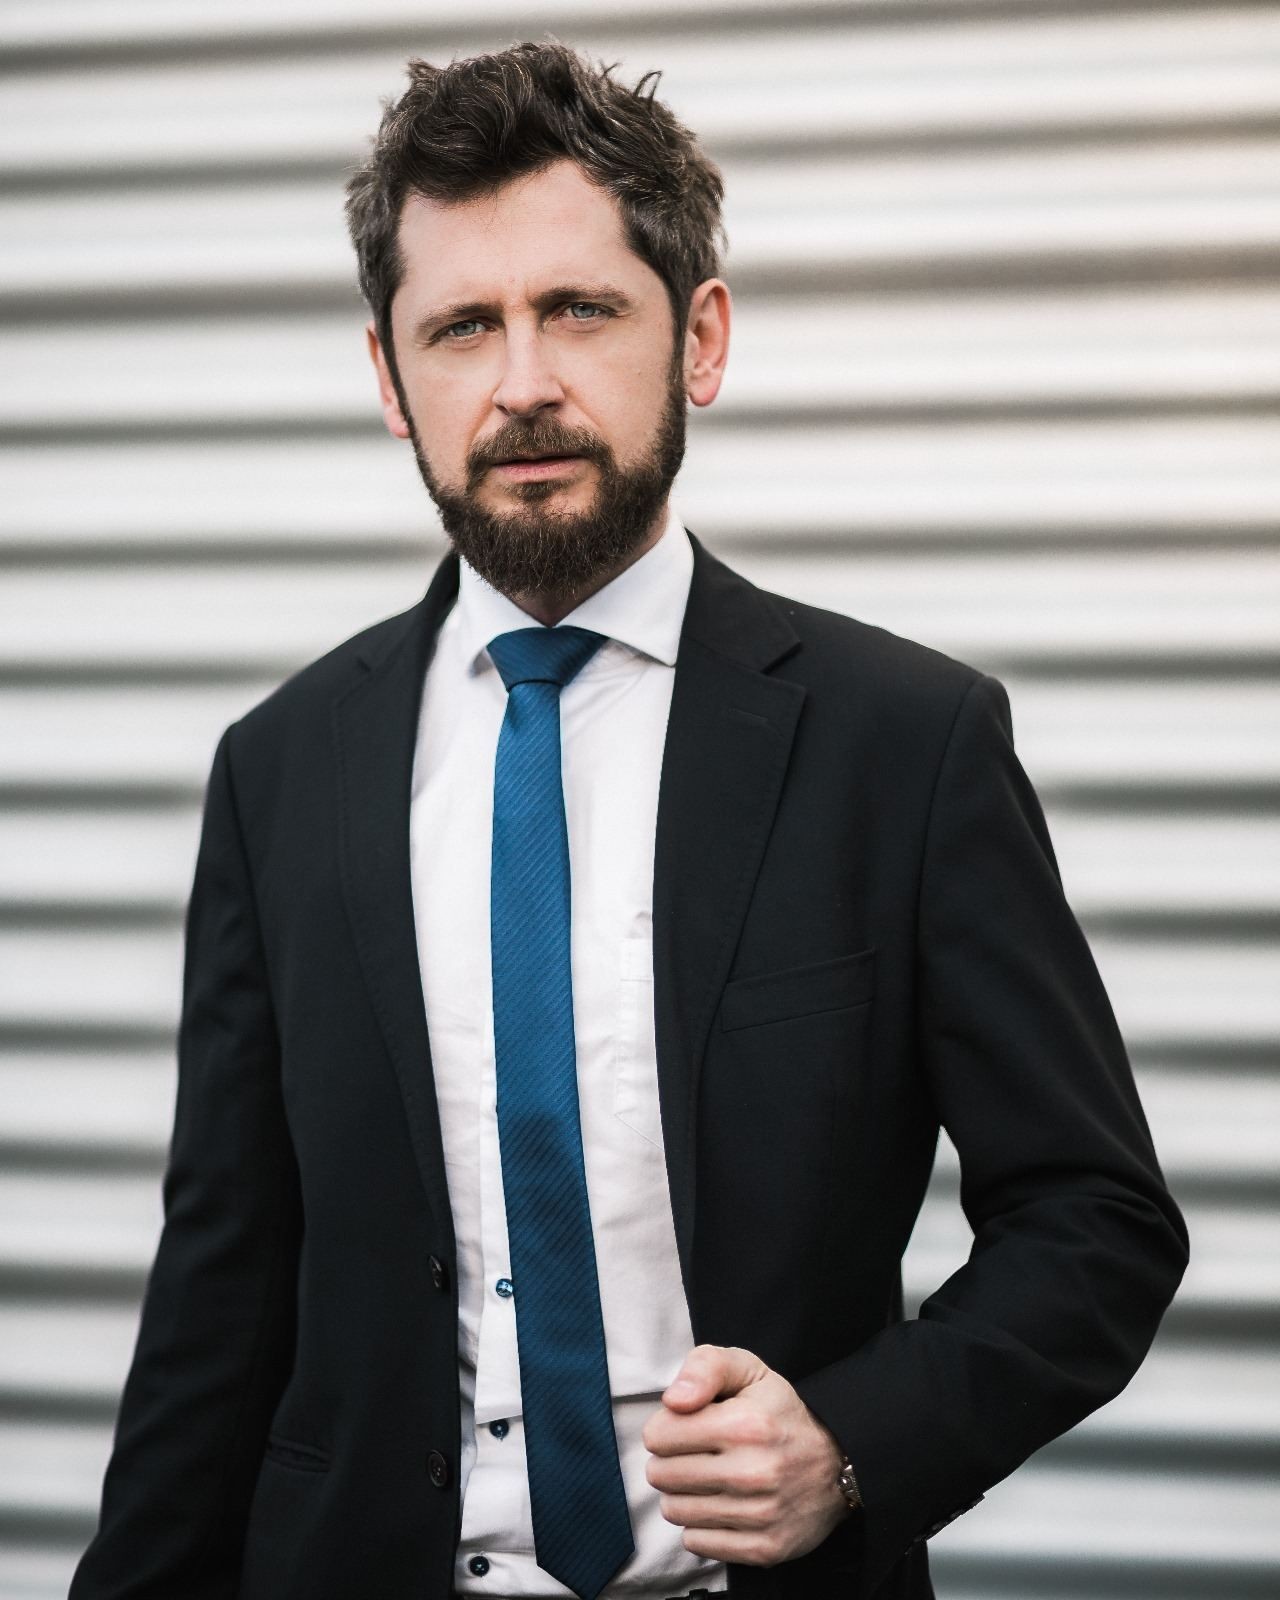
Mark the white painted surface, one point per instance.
(1001, 382)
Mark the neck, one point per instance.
(548, 607)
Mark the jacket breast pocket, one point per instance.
(293, 1453)
(799, 991)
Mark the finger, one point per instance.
(726, 1511)
(699, 1379)
(749, 1473)
(749, 1548)
(744, 1421)
(687, 1474)
(711, 1372)
(668, 1433)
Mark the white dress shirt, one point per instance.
(613, 719)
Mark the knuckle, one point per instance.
(748, 1427)
(756, 1552)
(760, 1513)
(773, 1511)
(702, 1357)
(769, 1546)
(734, 1425)
(758, 1478)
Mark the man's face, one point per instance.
(540, 380)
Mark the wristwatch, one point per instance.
(848, 1484)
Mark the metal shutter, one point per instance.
(1006, 361)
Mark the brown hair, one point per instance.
(466, 129)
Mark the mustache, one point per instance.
(538, 438)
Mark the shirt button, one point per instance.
(438, 1470)
(500, 1429)
(505, 1288)
(439, 1272)
(478, 1565)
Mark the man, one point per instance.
(579, 967)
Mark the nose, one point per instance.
(528, 383)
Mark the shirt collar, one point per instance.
(643, 607)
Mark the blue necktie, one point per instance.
(581, 1529)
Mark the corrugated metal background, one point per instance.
(1005, 379)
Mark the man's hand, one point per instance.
(742, 1464)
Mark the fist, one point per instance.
(740, 1462)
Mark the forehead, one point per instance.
(554, 225)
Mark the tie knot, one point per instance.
(543, 655)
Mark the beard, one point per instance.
(534, 550)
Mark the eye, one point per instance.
(593, 313)
(464, 329)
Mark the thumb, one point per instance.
(711, 1372)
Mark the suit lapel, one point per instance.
(728, 743)
(375, 725)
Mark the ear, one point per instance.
(392, 415)
(706, 340)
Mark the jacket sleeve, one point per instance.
(216, 1333)
(1077, 1247)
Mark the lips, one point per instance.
(509, 461)
(537, 469)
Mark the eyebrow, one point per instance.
(463, 310)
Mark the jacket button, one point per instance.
(478, 1565)
(438, 1470)
(439, 1272)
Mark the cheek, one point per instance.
(444, 421)
(450, 384)
(624, 400)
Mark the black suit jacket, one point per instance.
(859, 934)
